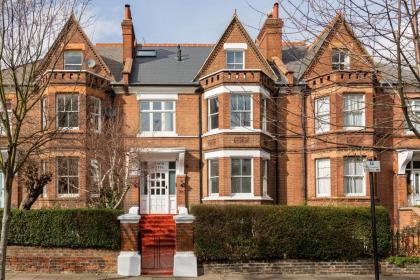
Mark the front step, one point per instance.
(157, 244)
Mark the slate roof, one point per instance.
(112, 55)
(165, 68)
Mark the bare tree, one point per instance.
(27, 31)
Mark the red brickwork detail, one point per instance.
(53, 260)
(184, 237)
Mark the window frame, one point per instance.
(318, 178)
(72, 64)
(264, 120)
(95, 115)
(68, 194)
(244, 111)
(345, 111)
(210, 114)
(415, 113)
(323, 119)
(265, 177)
(161, 111)
(354, 176)
(44, 112)
(44, 168)
(210, 177)
(234, 59)
(64, 95)
(342, 65)
(241, 176)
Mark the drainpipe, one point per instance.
(304, 146)
(277, 151)
(200, 143)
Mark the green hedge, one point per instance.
(235, 232)
(71, 228)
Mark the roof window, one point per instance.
(146, 53)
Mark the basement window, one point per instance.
(146, 53)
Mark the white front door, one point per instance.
(414, 197)
(159, 193)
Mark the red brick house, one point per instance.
(260, 121)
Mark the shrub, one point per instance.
(235, 232)
(72, 228)
(401, 261)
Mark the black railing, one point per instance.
(406, 242)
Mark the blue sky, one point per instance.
(173, 21)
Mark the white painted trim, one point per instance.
(239, 129)
(157, 134)
(237, 197)
(404, 157)
(235, 46)
(157, 96)
(237, 153)
(236, 89)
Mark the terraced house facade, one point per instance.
(261, 121)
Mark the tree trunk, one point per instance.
(5, 225)
(29, 200)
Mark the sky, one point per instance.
(173, 21)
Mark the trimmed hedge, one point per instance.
(71, 228)
(233, 232)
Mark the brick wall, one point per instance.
(53, 260)
(295, 267)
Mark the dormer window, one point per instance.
(235, 59)
(340, 59)
(73, 60)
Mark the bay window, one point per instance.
(240, 110)
(241, 176)
(67, 176)
(354, 179)
(95, 113)
(157, 116)
(323, 177)
(213, 116)
(213, 176)
(68, 111)
(354, 111)
(322, 114)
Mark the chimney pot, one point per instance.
(127, 14)
(275, 13)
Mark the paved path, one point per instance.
(37, 276)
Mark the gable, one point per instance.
(337, 35)
(73, 38)
(235, 33)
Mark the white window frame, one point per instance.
(354, 176)
(72, 64)
(68, 177)
(342, 63)
(44, 112)
(414, 113)
(251, 176)
(322, 119)
(9, 113)
(44, 168)
(250, 111)
(211, 193)
(210, 114)
(65, 95)
(152, 111)
(352, 112)
(234, 59)
(95, 102)
(265, 177)
(319, 178)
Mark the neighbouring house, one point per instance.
(246, 121)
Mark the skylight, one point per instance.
(146, 53)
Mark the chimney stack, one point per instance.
(269, 40)
(129, 42)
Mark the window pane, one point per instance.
(246, 167)
(234, 102)
(157, 121)
(239, 57)
(214, 105)
(172, 182)
(144, 105)
(230, 57)
(169, 105)
(62, 186)
(145, 121)
(214, 167)
(168, 121)
(246, 185)
(214, 123)
(62, 119)
(73, 119)
(214, 185)
(60, 103)
(157, 105)
(234, 119)
(236, 167)
(236, 185)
